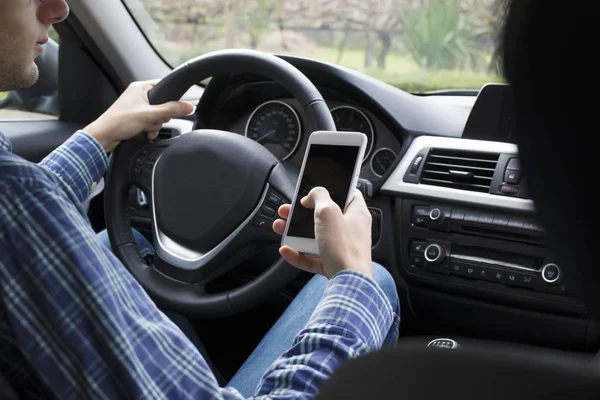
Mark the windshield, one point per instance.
(415, 45)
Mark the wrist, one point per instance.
(101, 135)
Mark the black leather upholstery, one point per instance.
(483, 371)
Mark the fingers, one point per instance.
(284, 211)
(279, 226)
(357, 202)
(301, 261)
(172, 109)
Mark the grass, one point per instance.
(401, 71)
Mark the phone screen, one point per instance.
(329, 166)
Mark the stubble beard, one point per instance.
(14, 73)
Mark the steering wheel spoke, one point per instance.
(192, 265)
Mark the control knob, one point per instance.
(434, 254)
(551, 273)
(437, 216)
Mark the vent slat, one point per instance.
(460, 169)
(461, 166)
(464, 159)
(448, 174)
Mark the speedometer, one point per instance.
(276, 126)
(351, 119)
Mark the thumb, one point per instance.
(317, 197)
(172, 109)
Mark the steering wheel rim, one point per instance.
(169, 284)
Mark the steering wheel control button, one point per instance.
(434, 254)
(512, 177)
(269, 212)
(514, 164)
(263, 223)
(551, 273)
(274, 199)
(444, 343)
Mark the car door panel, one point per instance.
(34, 140)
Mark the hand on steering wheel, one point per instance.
(211, 194)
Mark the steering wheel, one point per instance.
(212, 195)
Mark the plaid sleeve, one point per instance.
(79, 163)
(82, 323)
(353, 318)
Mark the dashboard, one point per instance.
(281, 126)
(452, 218)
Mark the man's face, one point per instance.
(24, 28)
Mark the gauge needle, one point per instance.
(380, 163)
(268, 134)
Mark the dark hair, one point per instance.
(548, 50)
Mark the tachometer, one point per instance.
(351, 119)
(276, 126)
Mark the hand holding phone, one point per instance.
(332, 161)
(343, 239)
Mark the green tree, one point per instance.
(439, 35)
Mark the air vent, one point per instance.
(166, 133)
(460, 169)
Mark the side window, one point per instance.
(39, 102)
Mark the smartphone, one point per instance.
(332, 160)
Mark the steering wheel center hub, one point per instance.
(205, 184)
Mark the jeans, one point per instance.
(282, 333)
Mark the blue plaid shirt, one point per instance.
(75, 324)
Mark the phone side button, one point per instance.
(263, 223)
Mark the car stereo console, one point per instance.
(509, 250)
(464, 219)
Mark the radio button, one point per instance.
(486, 218)
(471, 216)
(421, 210)
(515, 222)
(457, 214)
(501, 220)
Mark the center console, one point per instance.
(474, 246)
(471, 250)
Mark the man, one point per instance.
(75, 324)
